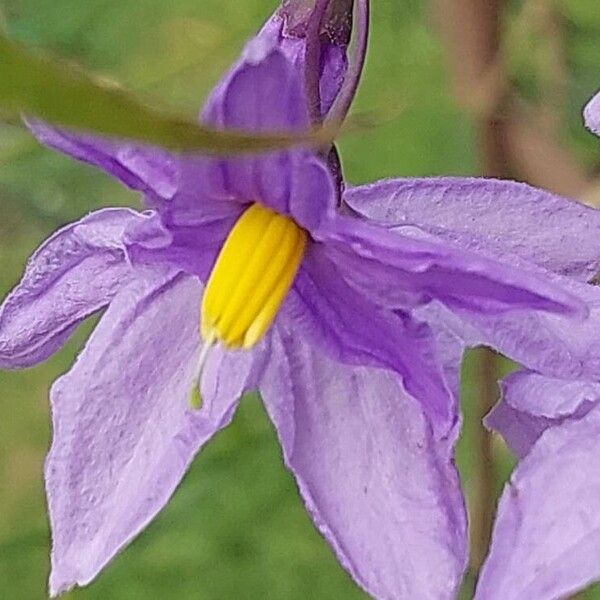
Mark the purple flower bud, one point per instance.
(319, 32)
(323, 29)
(336, 27)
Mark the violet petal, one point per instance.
(591, 114)
(343, 322)
(380, 489)
(555, 345)
(71, 276)
(124, 434)
(547, 532)
(149, 170)
(502, 219)
(263, 92)
(532, 403)
(387, 264)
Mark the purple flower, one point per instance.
(321, 310)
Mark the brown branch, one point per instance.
(539, 159)
(531, 150)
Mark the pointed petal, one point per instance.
(555, 345)
(591, 114)
(124, 434)
(500, 219)
(149, 170)
(72, 275)
(388, 264)
(186, 190)
(380, 489)
(547, 531)
(261, 93)
(532, 403)
(313, 195)
(323, 308)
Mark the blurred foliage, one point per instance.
(236, 528)
(552, 48)
(59, 93)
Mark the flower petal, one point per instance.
(263, 92)
(380, 489)
(145, 169)
(532, 403)
(547, 532)
(72, 275)
(124, 434)
(186, 190)
(500, 219)
(313, 194)
(192, 249)
(323, 308)
(591, 114)
(388, 264)
(555, 345)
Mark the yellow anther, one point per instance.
(252, 276)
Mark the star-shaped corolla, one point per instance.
(296, 297)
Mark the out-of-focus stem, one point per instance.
(482, 506)
(494, 163)
(473, 37)
(532, 153)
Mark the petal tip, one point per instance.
(59, 584)
(591, 114)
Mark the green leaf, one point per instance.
(65, 95)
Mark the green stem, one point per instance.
(483, 502)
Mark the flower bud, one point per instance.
(336, 27)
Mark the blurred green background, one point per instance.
(236, 528)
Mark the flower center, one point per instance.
(251, 277)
